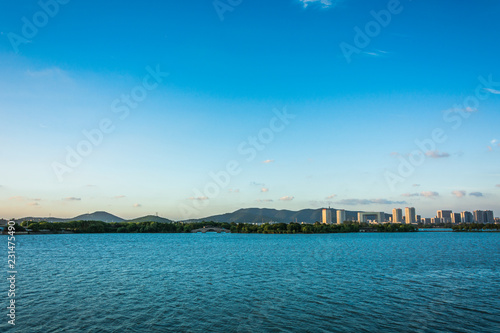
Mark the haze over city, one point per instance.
(187, 109)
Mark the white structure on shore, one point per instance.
(379, 216)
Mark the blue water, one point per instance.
(373, 282)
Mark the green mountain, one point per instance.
(258, 215)
(151, 218)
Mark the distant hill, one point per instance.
(151, 218)
(98, 216)
(258, 215)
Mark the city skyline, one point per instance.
(190, 110)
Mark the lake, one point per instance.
(370, 282)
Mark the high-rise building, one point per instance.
(418, 218)
(397, 215)
(427, 220)
(444, 215)
(488, 216)
(455, 218)
(340, 216)
(466, 217)
(478, 216)
(410, 215)
(327, 216)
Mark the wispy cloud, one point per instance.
(436, 154)
(476, 194)
(264, 200)
(322, 3)
(198, 198)
(376, 53)
(257, 184)
(353, 202)
(264, 189)
(21, 198)
(120, 196)
(416, 185)
(287, 198)
(33, 204)
(48, 72)
(410, 194)
(497, 185)
(72, 199)
(137, 205)
(331, 196)
(268, 161)
(459, 194)
(429, 194)
(234, 190)
(465, 110)
(493, 91)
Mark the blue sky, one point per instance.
(235, 68)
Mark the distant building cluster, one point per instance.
(410, 217)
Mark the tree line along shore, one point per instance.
(265, 228)
(180, 227)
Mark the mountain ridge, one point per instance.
(242, 215)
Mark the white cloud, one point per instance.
(459, 194)
(199, 198)
(376, 53)
(436, 154)
(331, 196)
(287, 198)
(429, 194)
(493, 91)
(137, 205)
(323, 3)
(264, 189)
(268, 161)
(48, 72)
(120, 196)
